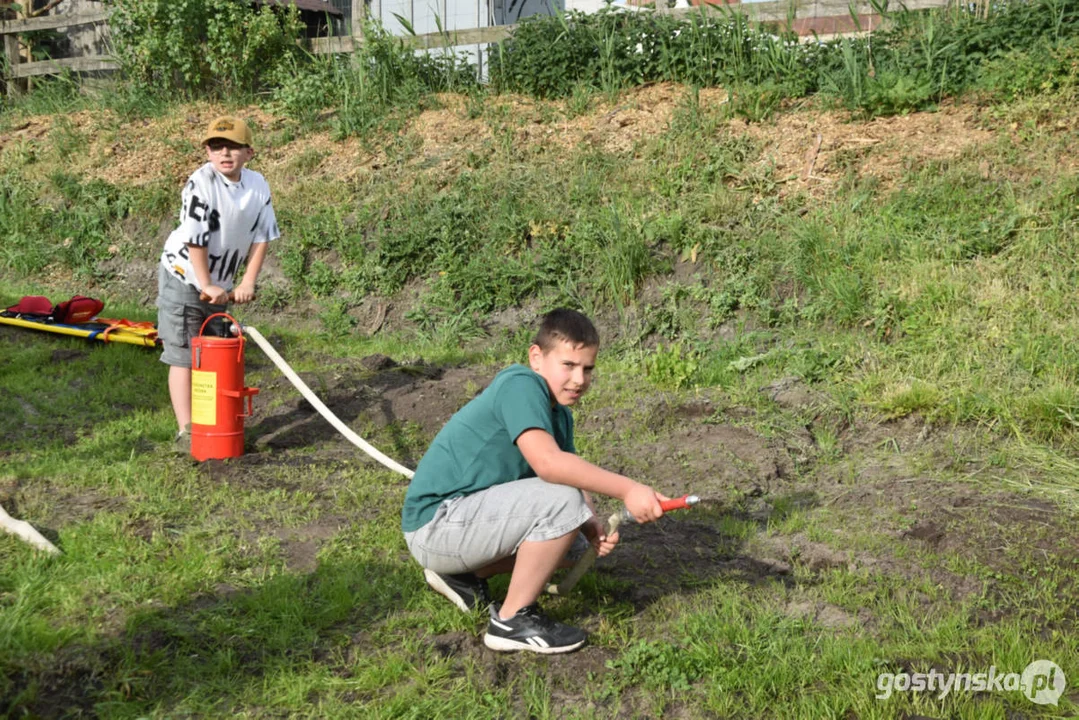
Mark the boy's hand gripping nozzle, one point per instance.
(613, 522)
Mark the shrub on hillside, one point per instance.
(921, 57)
(610, 49)
(214, 47)
(1047, 67)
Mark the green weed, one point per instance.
(672, 366)
(658, 667)
(335, 320)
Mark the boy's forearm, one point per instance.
(200, 263)
(558, 466)
(570, 469)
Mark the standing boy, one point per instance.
(226, 222)
(477, 505)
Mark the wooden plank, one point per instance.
(54, 67)
(51, 22)
(11, 54)
(474, 36)
(331, 45)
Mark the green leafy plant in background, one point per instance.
(672, 366)
(214, 47)
(917, 60)
(1049, 66)
(610, 49)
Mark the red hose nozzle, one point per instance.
(686, 501)
(682, 503)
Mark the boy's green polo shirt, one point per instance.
(477, 448)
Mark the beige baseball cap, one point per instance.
(231, 128)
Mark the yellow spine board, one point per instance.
(120, 335)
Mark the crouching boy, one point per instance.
(502, 490)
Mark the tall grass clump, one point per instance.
(359, 89)
(56, 95)
(64, 222)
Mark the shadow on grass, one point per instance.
(213, 653)
(54, 389)
(271, 646)
(689, 550)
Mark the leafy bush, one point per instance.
(204, 46)
(553, 56)
(920, 58)
(1046, 67)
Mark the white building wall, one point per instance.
(425, 15)
(509, 12)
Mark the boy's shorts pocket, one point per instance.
(180, 315)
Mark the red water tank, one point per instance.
(217, 394)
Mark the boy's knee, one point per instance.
(560, 512)
(565, 497)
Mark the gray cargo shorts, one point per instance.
(180, 314)
(475, 530)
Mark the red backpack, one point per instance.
(79, 309)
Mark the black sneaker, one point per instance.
(466, 591)
(531, 630)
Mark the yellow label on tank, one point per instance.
(203, 397)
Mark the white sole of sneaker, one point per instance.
(439, 586)
(506, 645)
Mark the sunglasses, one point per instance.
(219, 145)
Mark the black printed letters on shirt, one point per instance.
(201, 212)
(225, 266)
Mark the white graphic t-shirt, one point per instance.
(224, 217)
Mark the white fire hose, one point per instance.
(324, 411)
(575, 573)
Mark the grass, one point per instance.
(926, 316)
(179, 593)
